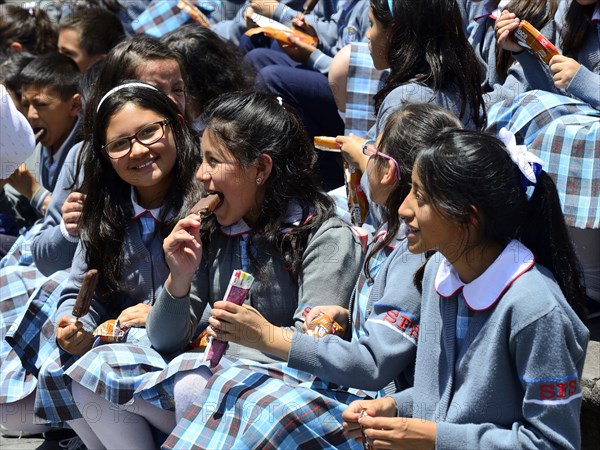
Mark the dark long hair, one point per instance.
(213, 66)
(427, 45)
(469, 175)
(406, 131)
(250, 124)
(538, 13)
(31, 27)
(106, 209)
(578, 22)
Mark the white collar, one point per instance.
(293, 216)
(140, 211)
(596, 15)
(486, 290)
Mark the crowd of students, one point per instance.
(481, 259)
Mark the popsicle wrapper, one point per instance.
(237, 292)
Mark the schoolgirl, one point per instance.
(501, 292)
(139, 177)
(272, 221)
(306, 396)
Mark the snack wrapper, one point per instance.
(237, 292)
(326, 143)
(365, 441)
(110, 331)
(529, 37)
(275, 30)
(358, 205)
(323, 325)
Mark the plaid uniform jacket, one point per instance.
(363, 83)
(163, 16)
(565, 133)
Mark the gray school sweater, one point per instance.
(387, 349)
(51, 249)
(144, 273)
(330, 264)
(515, 380)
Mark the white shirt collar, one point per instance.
(383, 231)
(293, 216)
(596, 15)
(139, 211)
(486, 290)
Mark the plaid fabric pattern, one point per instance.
(32, 336)
(115, 371)
(147, 227)
(20, 252)
(363, 83)
(462, 320)
(17, 284)
(268, 407)
(565, 134)
(162, 16)
(27, 338)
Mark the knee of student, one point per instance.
(338, 76)
(259, 58)
(270, 78)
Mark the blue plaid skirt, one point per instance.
(124, 371)
(565, 134)
(267, 406)
(30, 339)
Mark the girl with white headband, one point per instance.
(139, 180)
(502, 343)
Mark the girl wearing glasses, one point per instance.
(139, 180)
(273, 221)
(299, 404)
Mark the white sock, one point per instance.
(121, 426)
(188, 386)
(86, 434)
(17, 417)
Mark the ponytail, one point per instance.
(545, 233)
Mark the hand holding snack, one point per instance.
(563, 70)
(336, 313)
(231, 320)
(382, 407)
(530, 38)
(71, 336)
(351, 147)
(322, 325)
(504, 28)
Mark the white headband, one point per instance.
(118, 88)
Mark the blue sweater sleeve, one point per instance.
(51, 250)
(585, 85)
(391, 331)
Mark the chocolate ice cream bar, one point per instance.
(206, 205)
(86, 293)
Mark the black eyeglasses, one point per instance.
(147, 135)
